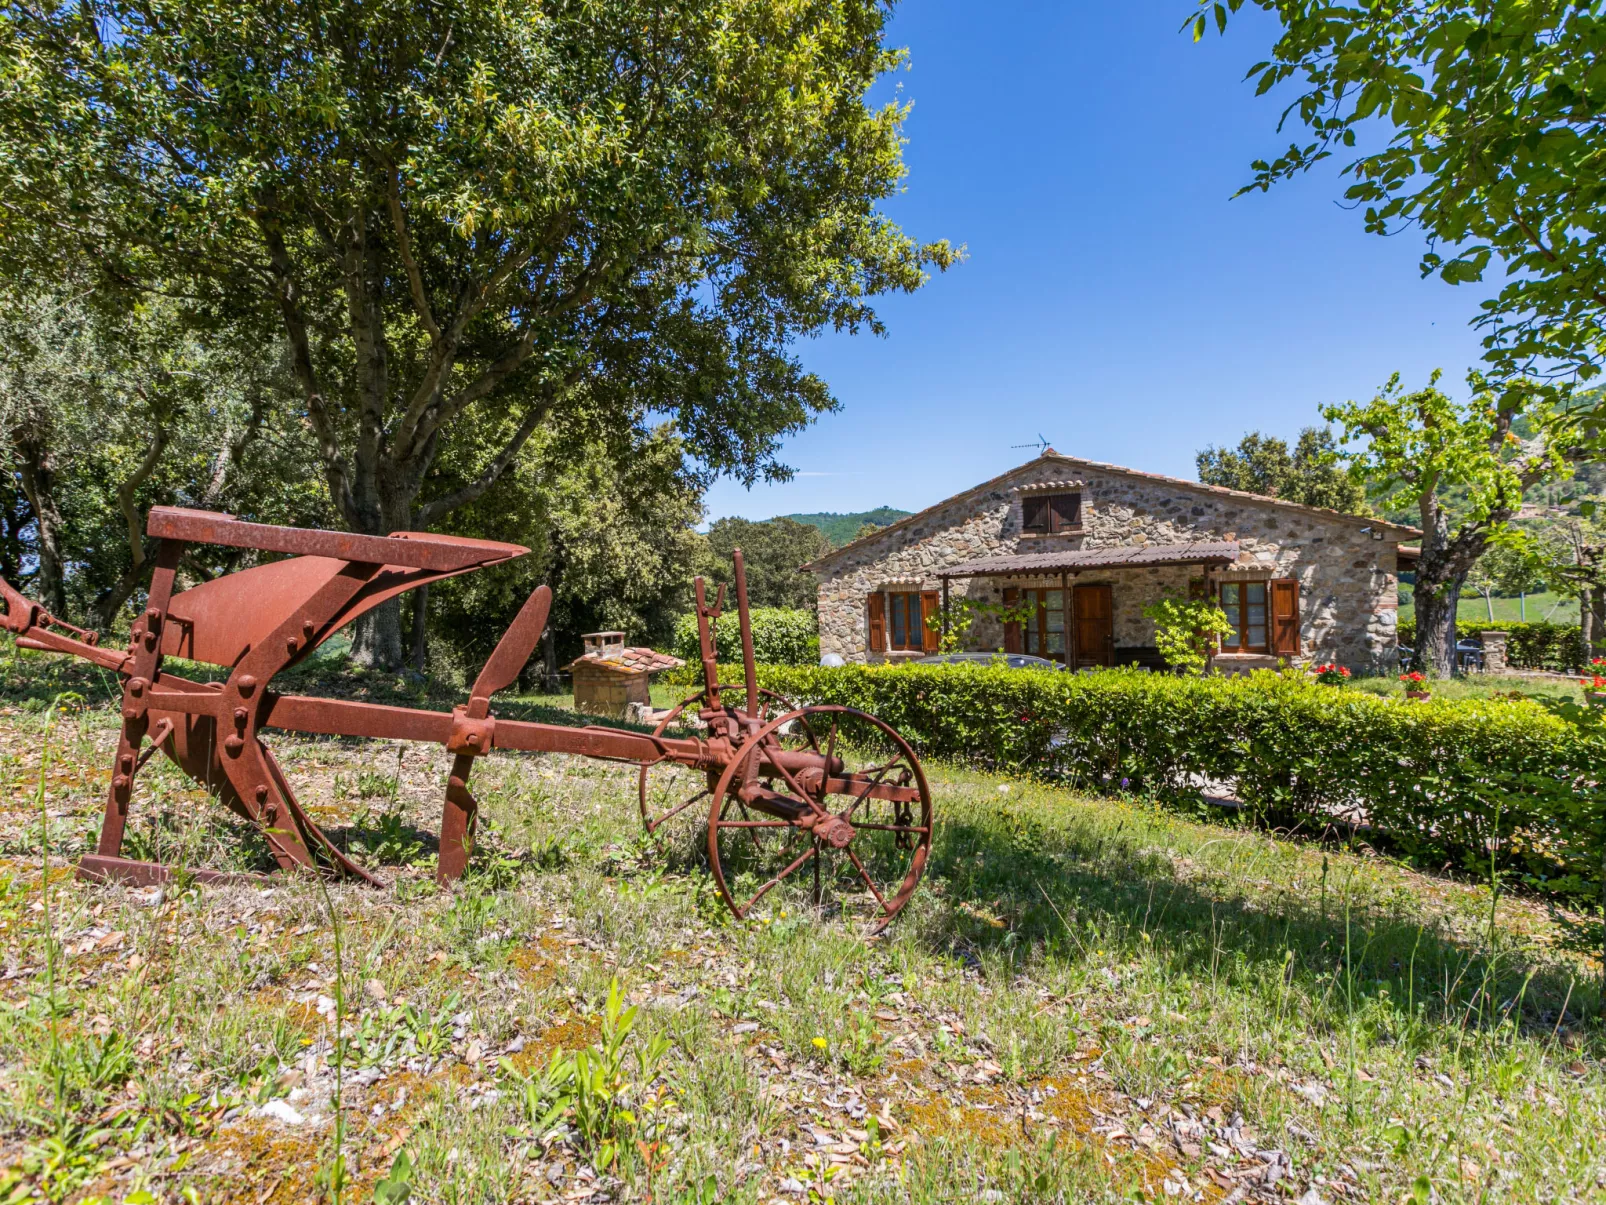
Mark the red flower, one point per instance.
(1412, 678)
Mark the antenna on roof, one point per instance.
(1040, 444)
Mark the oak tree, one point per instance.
(468, 218)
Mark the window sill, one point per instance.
(1053, 535)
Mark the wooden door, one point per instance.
(1095, 625)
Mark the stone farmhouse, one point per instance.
(1072, 551)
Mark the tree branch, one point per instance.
(431, 512)
(404, 246)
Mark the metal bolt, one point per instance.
(473, 739)
(127, 763)
(241, 715)
(232, 744)
(136, 686)
(120, 782)
(262, 792)
(307, 628)
(247, 684)
(292, 644)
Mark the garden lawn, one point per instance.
(1087, 1000)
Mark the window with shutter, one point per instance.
(1051, 514)
(878, 623)
(1285, 617)
(1065, 512)
(930, 620)
(1244, 604)
(1012, 631)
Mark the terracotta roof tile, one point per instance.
(628, 660)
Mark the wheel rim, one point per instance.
(667, 791)
(872, 866)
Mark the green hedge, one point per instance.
(1440, 781)
(1552, 646)
(780, 637)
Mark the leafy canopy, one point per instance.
(1262, 464)
(461, 212)
(1483, 123)
(774, 552)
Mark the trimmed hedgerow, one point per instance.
(1552, 646)
(1438, 781)
(780, 637)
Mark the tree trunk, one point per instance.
(1586, 619)
(420, 627)
(38, 472)
(1435, 628)
(1597, 647)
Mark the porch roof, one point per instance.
(1219, 552)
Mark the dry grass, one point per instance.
(1088, 1000)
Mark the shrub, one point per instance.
(780, 637)
(1553, 646)
(1440, 781)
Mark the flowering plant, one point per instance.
(1598, 683)
(1412, 680)
(1333, 675)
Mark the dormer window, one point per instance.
(1051, 514)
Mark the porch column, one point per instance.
(1065, 609)
(945, 580)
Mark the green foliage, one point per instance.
(470, 223)
(773, 552)
(1490, 146)
(1185, 630)
(1554, 646)
(1262, 464)
(780, 637)
(842, 529)
(1420, 446)
(592, 1089)
(396, 1188)
(110, 404)
(1438, 781)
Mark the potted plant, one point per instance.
(1595, 686)
(1413, 686)
(1331, 674)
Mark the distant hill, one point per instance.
(840, 529)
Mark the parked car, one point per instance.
(1011, 660)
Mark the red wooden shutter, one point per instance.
(930, 620)
(1012, 633)
(1065, 512)
(878, 623)
(1034, 513)
(1285, 617)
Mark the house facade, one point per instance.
(1060, 556)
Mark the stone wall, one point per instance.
(1348, 580)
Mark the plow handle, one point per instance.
(749, 671)
(705, 638)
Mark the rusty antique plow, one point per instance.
(788, 792)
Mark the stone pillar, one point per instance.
(1494, 651)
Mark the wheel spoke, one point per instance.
(755, 824)
(677, 810)
(892, 828)
(865, 875)
(762, 891)
(880, 772)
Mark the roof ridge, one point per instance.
(1051, 455)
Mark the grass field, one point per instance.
(1552, 608)
(1087, 1000)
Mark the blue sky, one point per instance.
(1115, 299)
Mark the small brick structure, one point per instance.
(609, 676)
